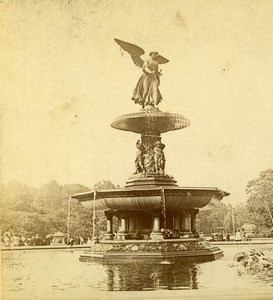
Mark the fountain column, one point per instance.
(193, 221)
(189, 222)
(156, 224)
(132, 224)
(176, 223)
(123, 224)
(123, 232)
(109, 223)
(156, 233)
(185, 223)
(150, 138)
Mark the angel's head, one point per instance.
(153, 54)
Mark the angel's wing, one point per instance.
(133, 50)
(160, 59)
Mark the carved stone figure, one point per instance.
(139, 165)
(159, 157)
(146, 92)
(149, 163)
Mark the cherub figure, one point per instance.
(159, 157)
(146, 92)
(139, 161)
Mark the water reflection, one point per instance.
(55, 271)
(147, 276)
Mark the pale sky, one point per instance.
(64, 80)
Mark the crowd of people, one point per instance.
(77, 240)
(11, 239)
(240, 235)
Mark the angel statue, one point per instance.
(146, 92)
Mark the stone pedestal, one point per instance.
(156, 236)
(122, 235)
(150, 179)
(109, 236)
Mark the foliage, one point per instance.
(260, 199)
(258, 210)
(219, 216)
(29, 211)
(105, 185)
(210, 219)
(241, 215)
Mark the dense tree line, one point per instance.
(219, 216)
(28, 211)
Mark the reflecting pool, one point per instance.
(61, 270)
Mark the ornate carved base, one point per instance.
(187, 250)
(156, 236)
(150, 179)
(186, 234)
(109, 236)
(122, 235)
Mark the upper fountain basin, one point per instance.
(150, 121)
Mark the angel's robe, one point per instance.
(146, 91)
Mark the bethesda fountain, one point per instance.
(157, 218)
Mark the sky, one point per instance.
(64, 80)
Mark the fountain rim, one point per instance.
(149, 191)
(132, 122)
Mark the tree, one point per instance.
(29, 211)
(260, 199)
(241, 215)
(105, 185)
(209, 219)
(218, 214)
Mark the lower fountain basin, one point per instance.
(186, 250)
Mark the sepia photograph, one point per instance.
(136, 149)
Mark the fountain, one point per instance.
(157, 218)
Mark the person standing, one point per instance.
(228, 237)
(238, 236)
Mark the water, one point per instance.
(61, 271)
